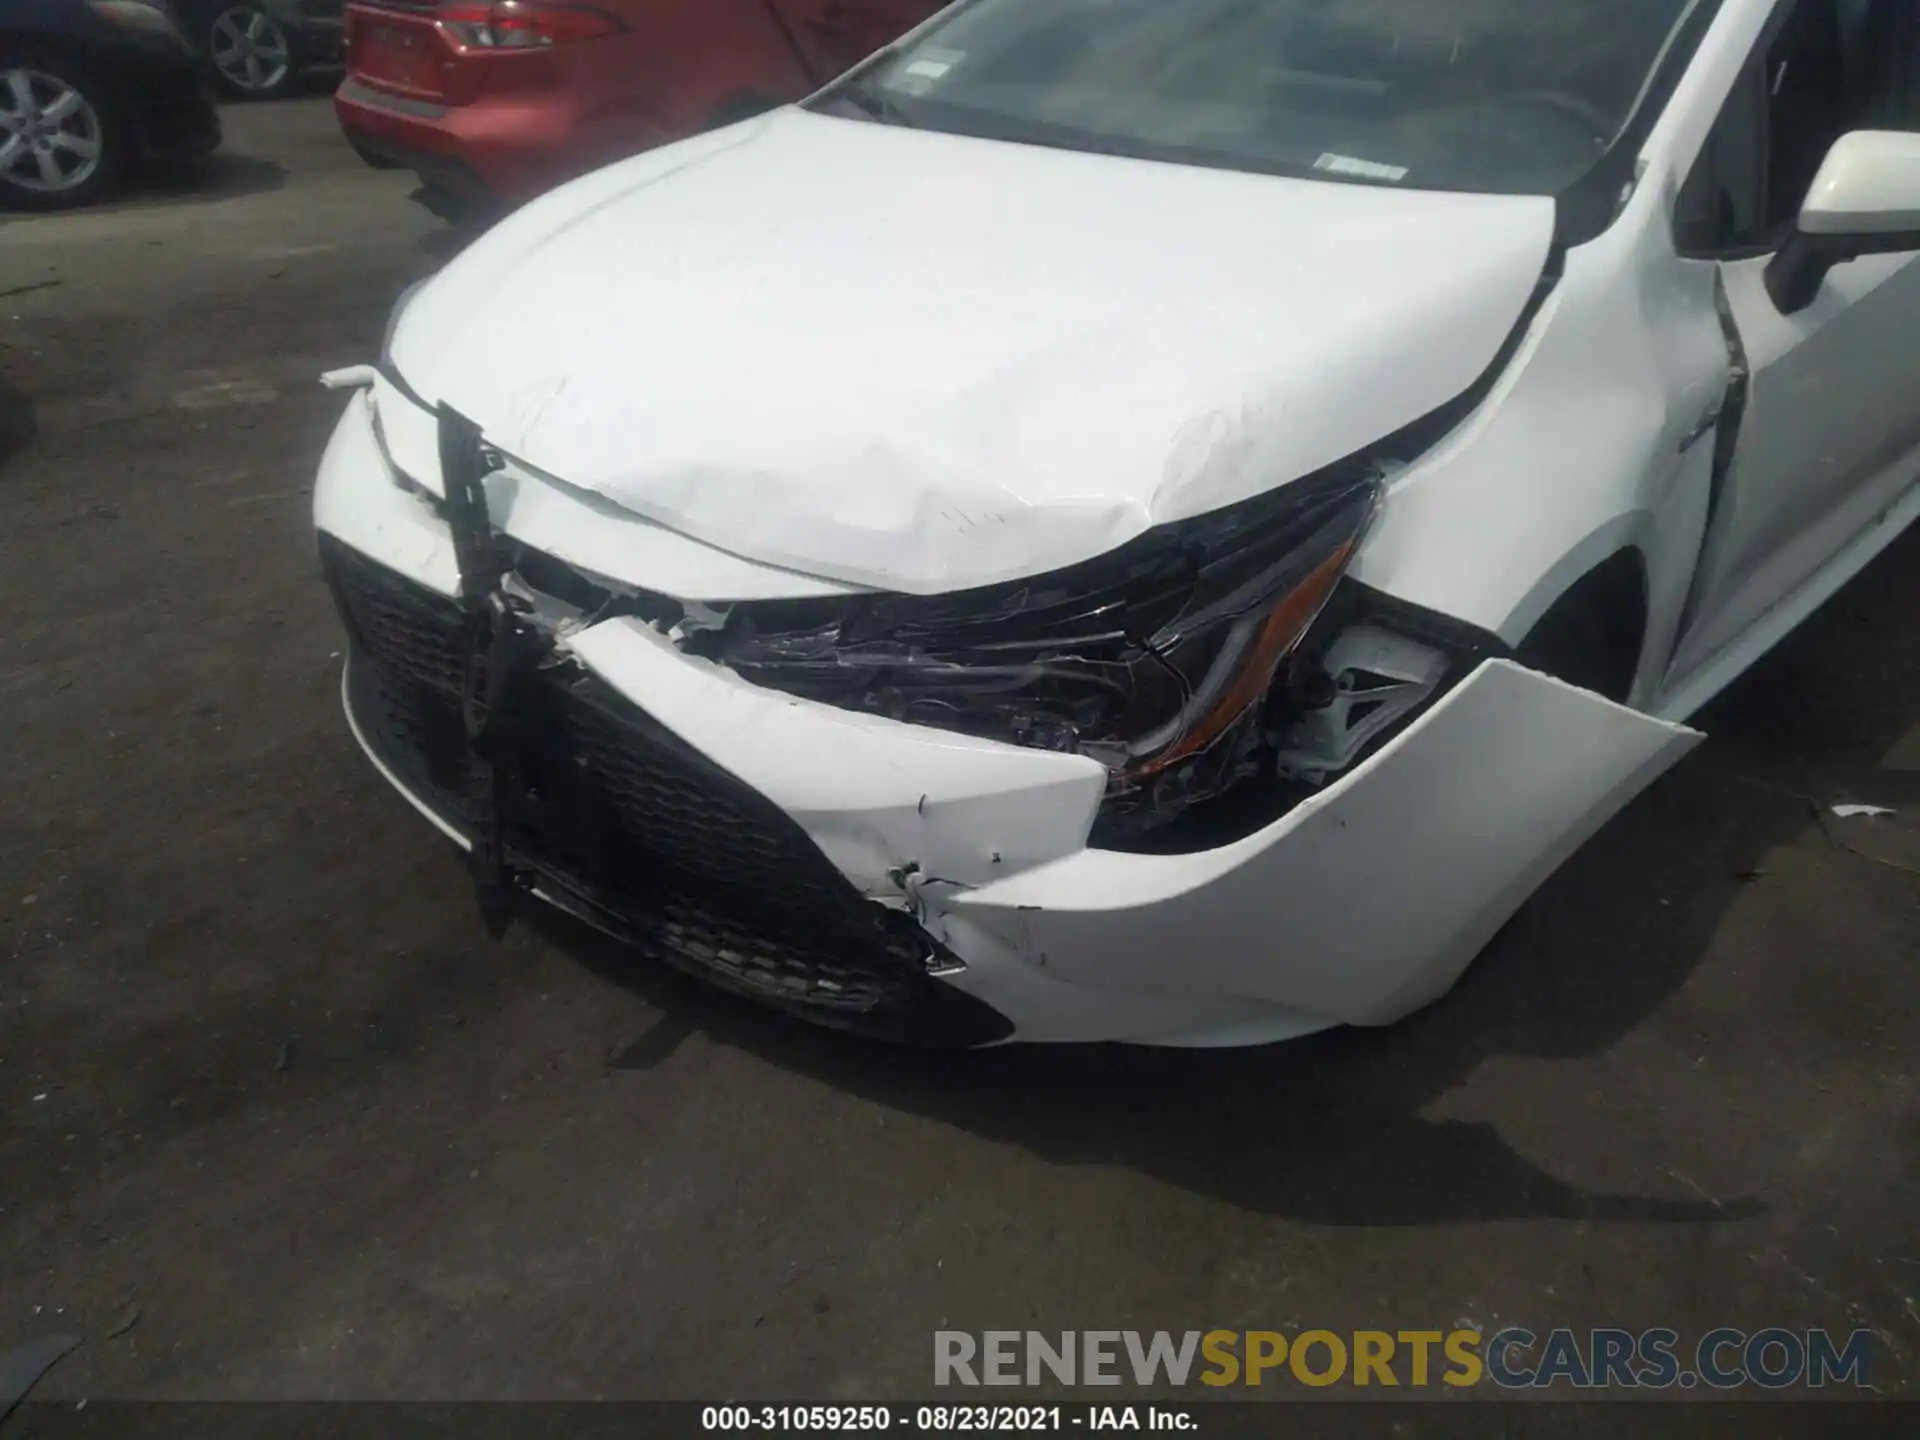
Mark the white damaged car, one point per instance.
(1128, 520)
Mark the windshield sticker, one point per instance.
(1366, 169)
(926, 69)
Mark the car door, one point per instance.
(838, 34)
(1829, 433)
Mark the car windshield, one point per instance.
(1503, 96)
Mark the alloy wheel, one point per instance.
(249, 49)
(51, 138)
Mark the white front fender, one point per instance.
(1368, 900)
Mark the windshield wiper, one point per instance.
(875, 106)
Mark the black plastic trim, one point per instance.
(362, 94)
(1587, 209)
(627, 826)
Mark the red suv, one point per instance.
(495, 102)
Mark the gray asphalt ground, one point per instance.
(278, 1120)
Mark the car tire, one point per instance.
(62, 143)
(250, 52)
(1592, 637)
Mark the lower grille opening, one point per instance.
(624, 822)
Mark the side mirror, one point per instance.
(1865, 201)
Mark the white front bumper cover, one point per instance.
(1358, 906)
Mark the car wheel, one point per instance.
(251, 54)
(1593, 635)
(59, 137)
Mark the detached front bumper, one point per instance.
(928, 886)
(636, 833)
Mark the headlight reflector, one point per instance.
(1156, 659)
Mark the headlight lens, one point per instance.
(1155, 660)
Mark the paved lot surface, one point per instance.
(267, 1089)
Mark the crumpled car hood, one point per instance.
(925, 362)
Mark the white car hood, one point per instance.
(925, 362)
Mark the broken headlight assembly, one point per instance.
(1159, 659)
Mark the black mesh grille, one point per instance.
(634, 828)
(681, 804)
(406, 629)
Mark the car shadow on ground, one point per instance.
(443, 245)
(18, 423)
(1330, 1129)
(223, 175)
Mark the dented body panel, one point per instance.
(898, 808)
(1459, 820)
(815, 362)
(1600, 436)
(1279, 934)
(574, 525)
(922, 401)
